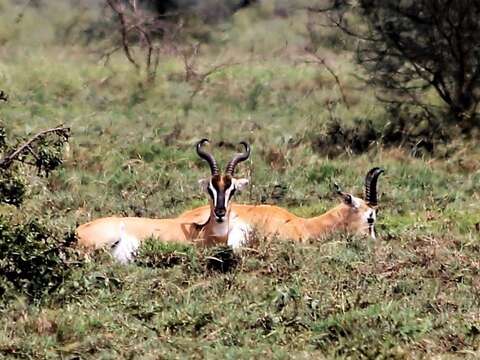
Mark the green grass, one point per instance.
(413, 293)
(342, 298)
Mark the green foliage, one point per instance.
(336, 299)
(34, 262)
(412, 293)
(44, 151)
(403, 127)
(410, 47)
(157, 254)
(12, 188)
(49, 155)
(221, 259)
(339, 139)
(3, 138)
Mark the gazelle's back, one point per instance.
(106, 231)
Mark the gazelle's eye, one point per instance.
(232, 192)
(371, 218)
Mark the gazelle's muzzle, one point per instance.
(220, 214)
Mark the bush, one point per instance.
(338, 139)
(33, 261)
(404, 127)
(410, 48)
(157, 254)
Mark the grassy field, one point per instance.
(412, 293)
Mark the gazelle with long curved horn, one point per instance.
(353, 215)
(126, 234)
(220, 187)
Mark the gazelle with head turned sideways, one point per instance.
(353, 215)
(125, 234)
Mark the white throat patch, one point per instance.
(220, 229)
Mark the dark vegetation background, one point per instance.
(323, 91)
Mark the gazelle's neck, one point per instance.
(233, 231)
(216, 233)
(321, 225)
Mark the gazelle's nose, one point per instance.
(220, 213)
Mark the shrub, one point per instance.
(409, 48)
(33, 262)
(157, 254)
(338, 139)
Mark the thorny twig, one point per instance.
(319, 60)
(132, 21)
(120, 11)
(192, 74)
(14, 155)
(310, 49)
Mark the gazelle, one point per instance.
(353, 215)
(125, 234)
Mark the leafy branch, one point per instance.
(31, 147)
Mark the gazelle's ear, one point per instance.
(347, 199)
(204, 184)
(241, 184)
(350, 200)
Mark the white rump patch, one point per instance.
(126, 248)
(238, 235)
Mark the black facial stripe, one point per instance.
(231, 193)
(371, 218)
(210, 193)
(220, 199)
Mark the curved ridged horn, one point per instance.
(371, 185)
(207, 157)
(238, 158)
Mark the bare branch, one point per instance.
(139, 29)
(3, 96)
(202, 77)
(105, 57)
(335, 5)
(123, 31)
(321, 61)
